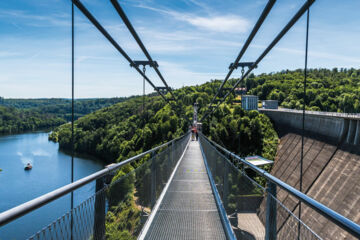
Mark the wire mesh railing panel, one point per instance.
(241, 197)
(245, 201)
(163, 166)
(122, 202)
(327, 229)
(76, 224)
(288, 225)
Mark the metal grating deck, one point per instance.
(188, 210)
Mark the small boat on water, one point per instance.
(28, 167)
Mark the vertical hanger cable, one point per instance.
(303, 113)
(72, 113)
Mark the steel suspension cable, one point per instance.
(289, 25)
(256, 28)
(93, 20)
(128, 24)
(303, 113)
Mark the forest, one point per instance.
(336, 90)
(20, 115)
(123, 130)
(14, 120)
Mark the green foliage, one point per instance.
(123, 130)
(19, 115)
(243, 132)
(61, 107)
(327, 90)
(122, 220)
(122, 185)
(14, 120)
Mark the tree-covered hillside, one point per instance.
(336, 90)
(19, 115)
(123, 130)
(243, 132)
(61, 107)
(14, 120)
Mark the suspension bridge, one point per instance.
(188, 189)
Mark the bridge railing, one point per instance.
(245, 200)
(122, 200)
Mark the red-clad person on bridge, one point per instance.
(194, 133)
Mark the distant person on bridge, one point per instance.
(193, 134)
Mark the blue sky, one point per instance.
(192, 40)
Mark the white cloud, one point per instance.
(184, 41)
(200, 4)
(228, 23)
(22, 19)
(56, 19)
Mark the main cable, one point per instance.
(289, 25)
(128, 24)
(93, 20)
(256, 28)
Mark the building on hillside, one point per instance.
(249, 102)
(270, 104)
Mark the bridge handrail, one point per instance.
(330, 214)
(22, 209)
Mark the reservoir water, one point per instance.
(51, 170)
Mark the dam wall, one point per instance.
(335, 127)
(331, 168)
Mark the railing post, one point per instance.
(172, 152)
(226, 183)
(169, 163)
(270, 211)
(99, 215)
(153, 179)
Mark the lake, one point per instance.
(51, 170)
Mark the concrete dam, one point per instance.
(331, 166)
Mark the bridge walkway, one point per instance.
(188, 209)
